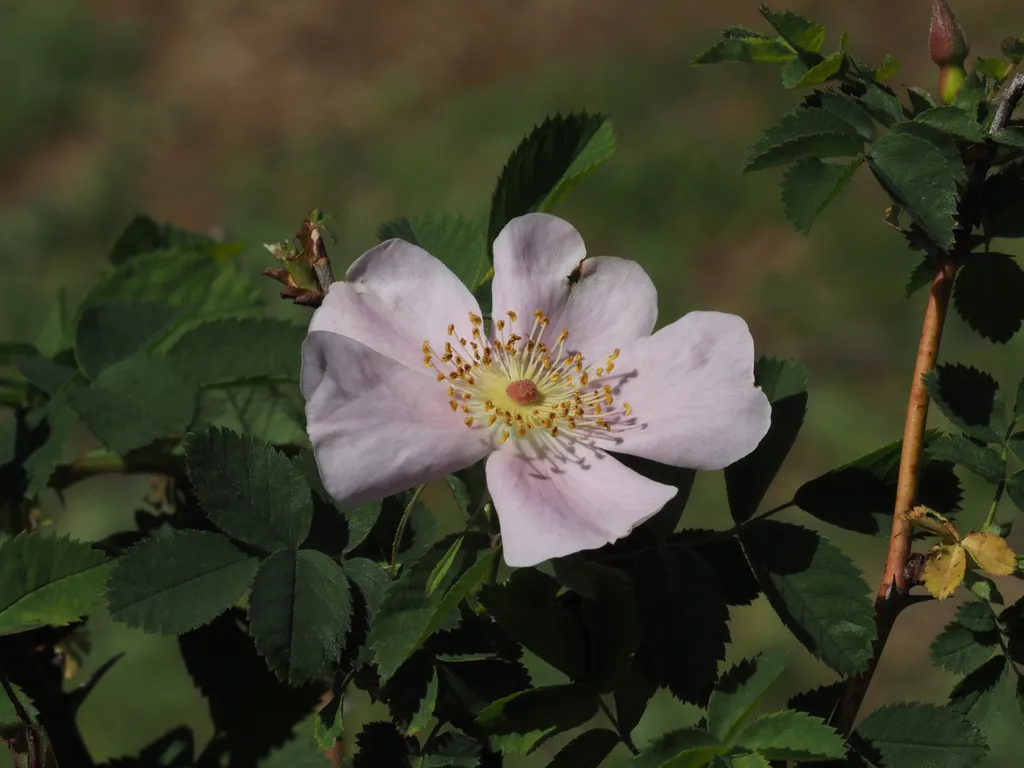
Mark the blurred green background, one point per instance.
(237, 116)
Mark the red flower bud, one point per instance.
(947, 43)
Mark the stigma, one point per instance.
(524, 385)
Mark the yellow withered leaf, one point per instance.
(991, 553)
(944, 570)
(929, 520)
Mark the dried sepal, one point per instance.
(929, 520)
(944, 569)
(991, 553)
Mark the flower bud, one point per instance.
(947, 43)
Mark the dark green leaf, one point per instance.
(804, 133)
(230, 350)
(550, 161)
(55, 418)
(300, 752)
(1013, 48)
(809, 185)
(527, 608)
(1001, 204)
(370, 578)
(47, 580)
(817, 591)
(920, 99)
(455, 240)
(740, 690)
(976, 616)
(134, 402)
(922, 275)
(113, 331)
(961, 450)
(954, 121)
(452, 749)
(520, 722)
(1015, 488)
(588, 750)
(381, 746)
(611, 617)
(234, 680)
(685, 748)
(848, 109)
(407, 617)
(977, 696)
(178, 582)
(918, 735)
(248, 489)
(790, 735)
(800, 33)
(967, 397)
(726, 557)
(8, 714)
(634, 692)
(822, 702)
(299, 612)
(883, 104)
(958, 649)
(677, 590)
(987, 295)
(425, 711)
(918, 176)
(43, 373)
(785, 384)
(144, 235)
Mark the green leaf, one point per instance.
(983, 587)
(47, 581)
(300, 752)
(144, 235)
(957, 649)
(961, 450)
(809, 186)
(918, 176)
(455, 240)
(740, 690)
(201, 283)
(953, 121)
(549, 162)
(407, 617)
(685, 748)
(918, 735)
(633, 693)
(920, 99)
(976, 616)
(526, 606)
(264, 412)
(784, 382)
(134, 402)
(45, 374)
(824, 70)
(670, 606)
(987, 295)
(741, 44)
(967, 397)
(113, 331)
(248, 489)
(178, 582)
(749, 760)
(451, 749)
(921, 276)
(883, 104)
(40, 464)
(520, 722)
(889, 68)
(299, 612)
(804, 133)
(422, 716)
(790, 735)
(800, 33)
(588, 750)
(8, 714)
(846, 108)
(976, 697)
(994, 67)
(56, 333)
(816, 590)
(231, 350)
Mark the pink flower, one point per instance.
(403, 384)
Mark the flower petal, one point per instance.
(549, 507)
(691, 388)
(394, 297)
(610, 303)
(376, 426)
(533, 258)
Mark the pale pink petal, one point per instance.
(551, 507)
(533, 258)
(376, 426)
(395, 297)
(609, 303)
(614, 303)
(691, 388)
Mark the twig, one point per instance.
(400, 532)
(625, 738)
(1012, 96)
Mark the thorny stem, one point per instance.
(26, 722)
(892, 592)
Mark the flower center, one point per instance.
(523, 391)
(522, 385)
